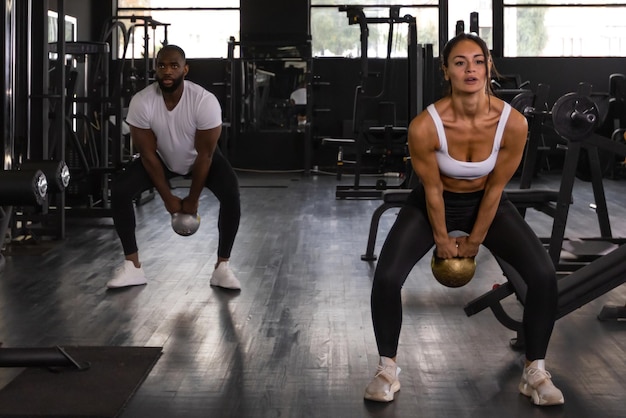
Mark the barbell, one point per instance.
(23, 187)
(57, 173)
(574, 115)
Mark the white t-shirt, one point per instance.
(299, 96)
(175, 130)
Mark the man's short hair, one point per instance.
(171, 47)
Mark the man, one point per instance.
(175, 125)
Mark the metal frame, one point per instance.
(416, 59)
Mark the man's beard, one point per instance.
(176, 82)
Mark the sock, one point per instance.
(539, 364)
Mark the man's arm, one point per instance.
(145, 141)
(205, 143)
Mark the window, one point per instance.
(332, 35)
(559, 28)
(201, 28)
(461, 10)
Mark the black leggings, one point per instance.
(134, 179)
(509, 238)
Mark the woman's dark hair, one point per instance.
(445, 55)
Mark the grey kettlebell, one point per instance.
(185, 224)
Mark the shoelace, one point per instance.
(385, 372)
(541, 375)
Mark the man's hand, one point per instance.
(173, 204)
(189, 205)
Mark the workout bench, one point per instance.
(542, 200)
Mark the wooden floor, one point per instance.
(297, 341)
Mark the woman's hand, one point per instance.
(466, 247)
(448, 248)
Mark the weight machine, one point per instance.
(387, 139)
(256, 110)
(597, 265)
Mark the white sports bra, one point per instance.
(464, 170)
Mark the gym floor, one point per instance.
(297, 341)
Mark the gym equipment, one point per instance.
(260, 79)
(574, 115)
(598, 265)
(5, 218)
(57, 173)
(388, 139)
(185, 224)
(453, 272)
(23, 187)
(39, 357)
(575, 290)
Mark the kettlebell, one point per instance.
(185, 224)
(453, 272)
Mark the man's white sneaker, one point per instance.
(224, 277)
(385, 383)
(537, 384)
(127, 275)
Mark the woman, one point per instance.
(465, 148)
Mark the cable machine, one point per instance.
(420, 61)
(252, 109)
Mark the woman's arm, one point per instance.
(509, 157)
(423, 143)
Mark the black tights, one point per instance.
(134, 179)
(509, 238)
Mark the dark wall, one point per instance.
(90, 15)
(563, 74)
(283, 20)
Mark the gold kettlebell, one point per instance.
(453, 272)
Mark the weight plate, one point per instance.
(523, 102)
(574, 116)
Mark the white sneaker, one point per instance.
(224, 277)
(127, 275)
(385, 383)
(537, 384)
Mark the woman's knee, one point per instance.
(385, 282)
(542, 279)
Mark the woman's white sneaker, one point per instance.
(385, 383)
(537, 384)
